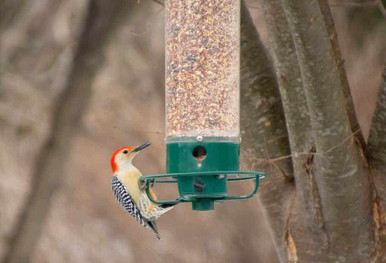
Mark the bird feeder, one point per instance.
(203, 102)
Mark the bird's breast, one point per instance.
(130, 180)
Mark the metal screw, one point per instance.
(199, 138)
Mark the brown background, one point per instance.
(85, 223)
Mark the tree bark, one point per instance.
(336, 162)
(306, 210)
(263, 130)
(9, 10)
(349, 104)
(376, 151)
(376, 154)
(102, 18)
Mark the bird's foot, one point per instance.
(142, 185)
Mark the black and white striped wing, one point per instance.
(124, 199)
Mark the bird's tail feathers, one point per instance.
(153, 226)
(161, 210)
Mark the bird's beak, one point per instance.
(141, 147)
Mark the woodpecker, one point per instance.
(130, 193)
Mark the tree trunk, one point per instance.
(335, 215)
(263, 129)
(296, 111)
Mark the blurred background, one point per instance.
(38, 39)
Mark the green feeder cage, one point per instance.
(202, 102)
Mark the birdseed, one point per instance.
(202, 68)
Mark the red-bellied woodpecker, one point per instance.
(129, 193)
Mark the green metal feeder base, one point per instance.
(201, 171)
(205, 202)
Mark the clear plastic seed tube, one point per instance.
(202, 68)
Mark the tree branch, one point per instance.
(349, 104)
(294, 101)
(289, 80)
(101, 19)
(376, 151)
(377, 3)
(381, 8)
(160, 2)
(9, 11)
(376, 155)
(263, 129)
(339, 176)
(28, 21)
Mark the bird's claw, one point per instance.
(142, 185)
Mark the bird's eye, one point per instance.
(125, 151)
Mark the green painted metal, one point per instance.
(219, 156)
(201, 170)
(206, 205)
(203, 204)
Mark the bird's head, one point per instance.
(125, 155)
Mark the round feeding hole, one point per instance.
(199, 153)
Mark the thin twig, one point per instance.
(306, 153)
(358, 4)
(282, 171)
(159, 2)
(253, 7)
